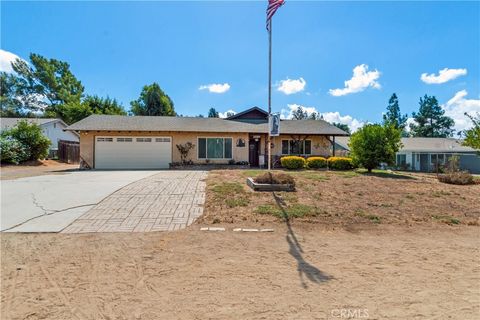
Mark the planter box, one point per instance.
(269, 187)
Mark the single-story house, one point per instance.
(53, 129)
(426, 154)
(141, 142)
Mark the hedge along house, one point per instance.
(142, 142)
(428, 154)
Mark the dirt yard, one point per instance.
(301, 272)
(358, 246)
(346, 199)
(37, 168)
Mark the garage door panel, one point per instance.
(132, 152)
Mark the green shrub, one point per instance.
(275, 178)
(12, 151)
(31, 137)
(340, 163)
(316, 162)
(292, 162)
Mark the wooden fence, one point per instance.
(69, 151)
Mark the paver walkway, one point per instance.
(170, 200)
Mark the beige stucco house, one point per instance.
(140, 142)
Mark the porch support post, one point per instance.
(333, 145)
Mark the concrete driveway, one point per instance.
(50, 203)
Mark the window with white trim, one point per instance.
(297, 147)
(214, 148)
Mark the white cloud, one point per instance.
(444, 75)
(215, 87)
(331, 117)
(226, 114)
(291, 86)
(6, 59)
(361, 80)
(456, 107)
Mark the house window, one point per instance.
(401, 159)
(214, 148)
(124, 139)
(144, 139)
(162, 139)
(296, 146)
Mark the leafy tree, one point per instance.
(200, 116)
(393, 115)
(48, 85)
(374, 144)
(12, 104)
(300, 114)
(31, 137)
(212, 113)
(342, 126)
(229, 114)
(472, 135)
(431, 121)
(153, 101)
(315, 116)
(99, 105)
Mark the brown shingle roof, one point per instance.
(190, 124)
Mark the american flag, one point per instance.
(273, 5)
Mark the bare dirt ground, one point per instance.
(345, 199)
(301, 272)
(37, 168)
(364, 246)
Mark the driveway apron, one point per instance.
(167, 201)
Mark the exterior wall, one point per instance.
(320, 145)
(87, 144)
(54, 132)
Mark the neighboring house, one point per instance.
(53, 129)
(426, 154)
(139, 142)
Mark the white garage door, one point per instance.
(132, 152)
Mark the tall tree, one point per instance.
(393, 115)
(153, 102)
(430, 121)
(300, 114)
(47, 85)
(342, 126)
(472, 135)
(212, 113)
(12, 104)
(99, 105)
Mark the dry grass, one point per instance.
(342, 198)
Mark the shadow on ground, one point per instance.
(305, 269)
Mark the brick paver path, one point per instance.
(170, 200)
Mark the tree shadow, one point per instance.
(305, 269)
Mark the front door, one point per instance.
(253, 149)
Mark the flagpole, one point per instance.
(269, 91)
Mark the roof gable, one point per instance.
(254, 115)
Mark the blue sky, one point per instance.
(115, 48)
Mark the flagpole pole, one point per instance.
(269, 91)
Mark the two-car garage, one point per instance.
(132, 152)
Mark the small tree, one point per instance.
(299, 114)
(472, 135)
(393, 115)
(31, 137)
(153, 101)
(212, 113)
(374, 144)
(342, 126)
(184, 149)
